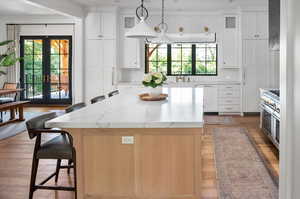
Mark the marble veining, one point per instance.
(182, 109)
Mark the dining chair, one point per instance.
(97, 99)
(116, 92)
(8, 98)
(59, 148)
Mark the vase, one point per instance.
(155, 92)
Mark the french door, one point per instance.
(46, 69)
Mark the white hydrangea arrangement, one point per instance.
(154, 79)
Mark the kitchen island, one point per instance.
(132, 149)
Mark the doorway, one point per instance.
(46, 69)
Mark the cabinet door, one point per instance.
(210, 98)
(131, 53)
(108, 25)
(255, 59)
(249, 25)
(93, 26)
(108, 80)
(262, 25)
(94, 69)
(109, 53)
(94, 55)
(230, 49)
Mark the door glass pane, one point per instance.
(33, 72)
(59, 69)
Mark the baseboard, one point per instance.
(251, 113)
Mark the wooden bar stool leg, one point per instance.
(34, 169)
(75, 172)
(69, 164)
(57, 170)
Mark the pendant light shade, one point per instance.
(141, 30)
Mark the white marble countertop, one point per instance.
(182, 109)
(183, 84)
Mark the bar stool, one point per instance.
(58, 148)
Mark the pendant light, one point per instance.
(163, 27)
(141, 30)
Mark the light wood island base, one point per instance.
(162, 163)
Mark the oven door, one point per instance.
(267, 120)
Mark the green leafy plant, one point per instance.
(8, 58)
(154, 79)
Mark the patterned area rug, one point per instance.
(219, 120)
(241, 173)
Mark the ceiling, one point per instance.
(176, 4)
(21, 7)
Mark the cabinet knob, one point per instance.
(100, 35)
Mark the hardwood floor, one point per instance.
(16, 157)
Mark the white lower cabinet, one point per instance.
(229, 99)
(224, 99)
(210, 98)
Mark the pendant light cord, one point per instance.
(163, 12)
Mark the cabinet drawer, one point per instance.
(229, 108)
(229, 87)
(229, 94)
(229, 101)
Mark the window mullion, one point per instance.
(169, 59)
(193, 59)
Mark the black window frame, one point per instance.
(194, 61)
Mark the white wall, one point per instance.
(290, 98)
(77, 43)
(192, 23)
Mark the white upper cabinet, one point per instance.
(262, 25)
(255, 25)
(101, 25)
(230, 42)
(131, 47)
(131, 55)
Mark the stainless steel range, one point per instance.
(270, 114)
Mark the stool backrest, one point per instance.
(38, 123)
(75, 107)
(116, 92)
(97, 99)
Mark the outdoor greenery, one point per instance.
(33, 66)
(8, 58)
(181, 59)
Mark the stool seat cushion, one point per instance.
(57, 148)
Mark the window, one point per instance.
(206, 59)
(157, 57)
(182, 59)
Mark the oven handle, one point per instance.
(266, 108)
